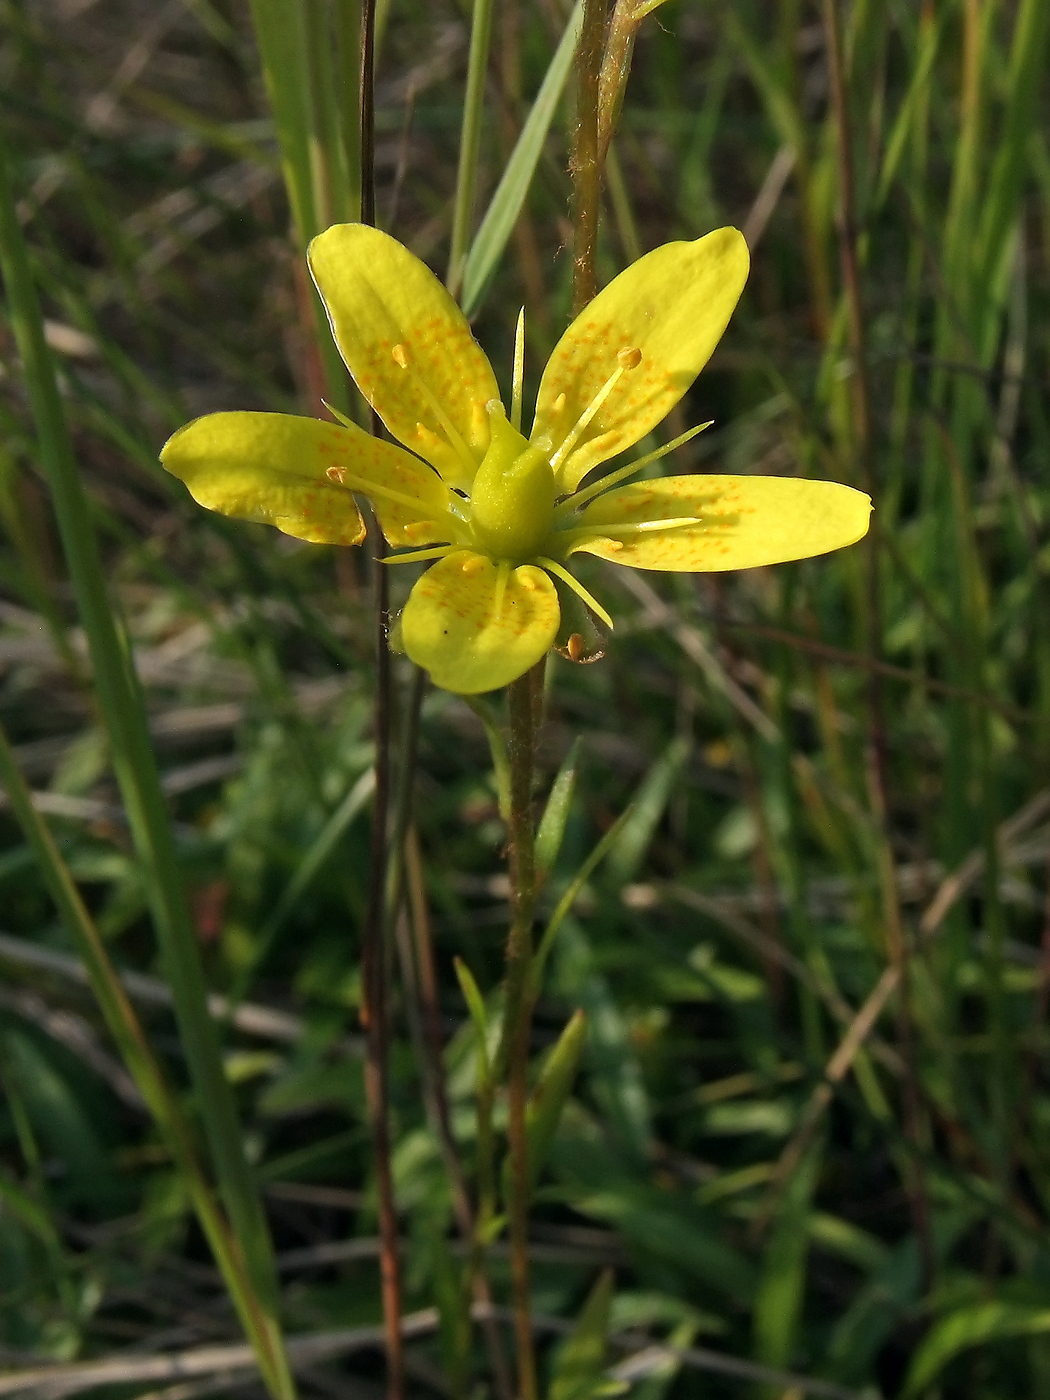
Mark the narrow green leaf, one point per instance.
(313, 860)
(968, 1327)
(615, 1076)
(134, 761)
(571, 895)
(259, 1320)
(552, 1090)
(29, 1214)
(909, 108)
(502, 214)
(478, 1014)
(498, 749)
(549, 1097)
(1025, 81)
(781, 1286)
(470, 138)
(648, 808)
(576, 1373)
(551, 829)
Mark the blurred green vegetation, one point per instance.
(812, 1128)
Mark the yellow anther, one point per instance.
(615, 546)
(336, 474)
(629, 358)
(527, 582)
(472, 565)
(559, 403)
(400, 356)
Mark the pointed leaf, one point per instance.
(556, 813)
(551, 1093)
(498, 223)
(577, 1370)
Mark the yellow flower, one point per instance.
(501, 514)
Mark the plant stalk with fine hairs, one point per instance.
(523, 699)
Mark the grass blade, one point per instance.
(502, 213)
(133, 757)
(259, 1322)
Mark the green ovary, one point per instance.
(512, 498)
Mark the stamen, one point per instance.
(502, 575)
(400, 358)
(643, 527)
(414, 556)
(518, 377)
(338, 473)
(578, 588)
(473, 564)
(559, 404)
(628, 360)
(609, 530)
(588, 493)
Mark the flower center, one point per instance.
(512, 498)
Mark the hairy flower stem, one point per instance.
(523, 696)
(586, 163)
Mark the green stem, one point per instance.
(470, 140)
(133, 759)
(522, 698)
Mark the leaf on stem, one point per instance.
(556, 813)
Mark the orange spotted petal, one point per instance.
(408, 346)
(671, 306)
(475, 625)
(740, 522)
(300, 474)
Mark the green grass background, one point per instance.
(812, 1128)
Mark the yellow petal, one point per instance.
(300, 474)
(672, 305)
(744, 521)
(408, 346)
(458, 627)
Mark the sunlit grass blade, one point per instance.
(551, 830)
(469, 140)
(316, 138)
(134, 761)
(506, 204)
(311, 863)
(258, 1319)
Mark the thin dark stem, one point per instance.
(373, 958)
(374, 988)
(877, 746)
(426, 992)
(409, 926)
(847, 219)
(366, 112)
(586, 165)
(522, 698)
